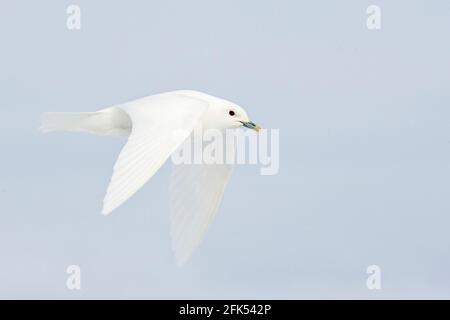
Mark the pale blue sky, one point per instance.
(365, 148)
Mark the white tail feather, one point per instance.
(111, 121)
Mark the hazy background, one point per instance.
(365, 148)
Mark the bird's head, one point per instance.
(228, 116)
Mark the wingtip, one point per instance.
(180, 262)
(108, 204)
(181, 256)
(106, 210)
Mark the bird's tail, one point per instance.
(65, 121)
(111, 121)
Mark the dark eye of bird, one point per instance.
(231, 113)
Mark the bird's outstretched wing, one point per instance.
(195, 194)
(160, 124)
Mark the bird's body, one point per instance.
(115, 120)
(156, 126)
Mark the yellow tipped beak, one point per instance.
(251, 125)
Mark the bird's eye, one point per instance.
(231, 113)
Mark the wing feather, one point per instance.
(195, 194)
(157, 122)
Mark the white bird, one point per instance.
(150, 123)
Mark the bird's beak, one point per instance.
(251, 125)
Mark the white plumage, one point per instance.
(156, 126)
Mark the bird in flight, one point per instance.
(156, 126)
